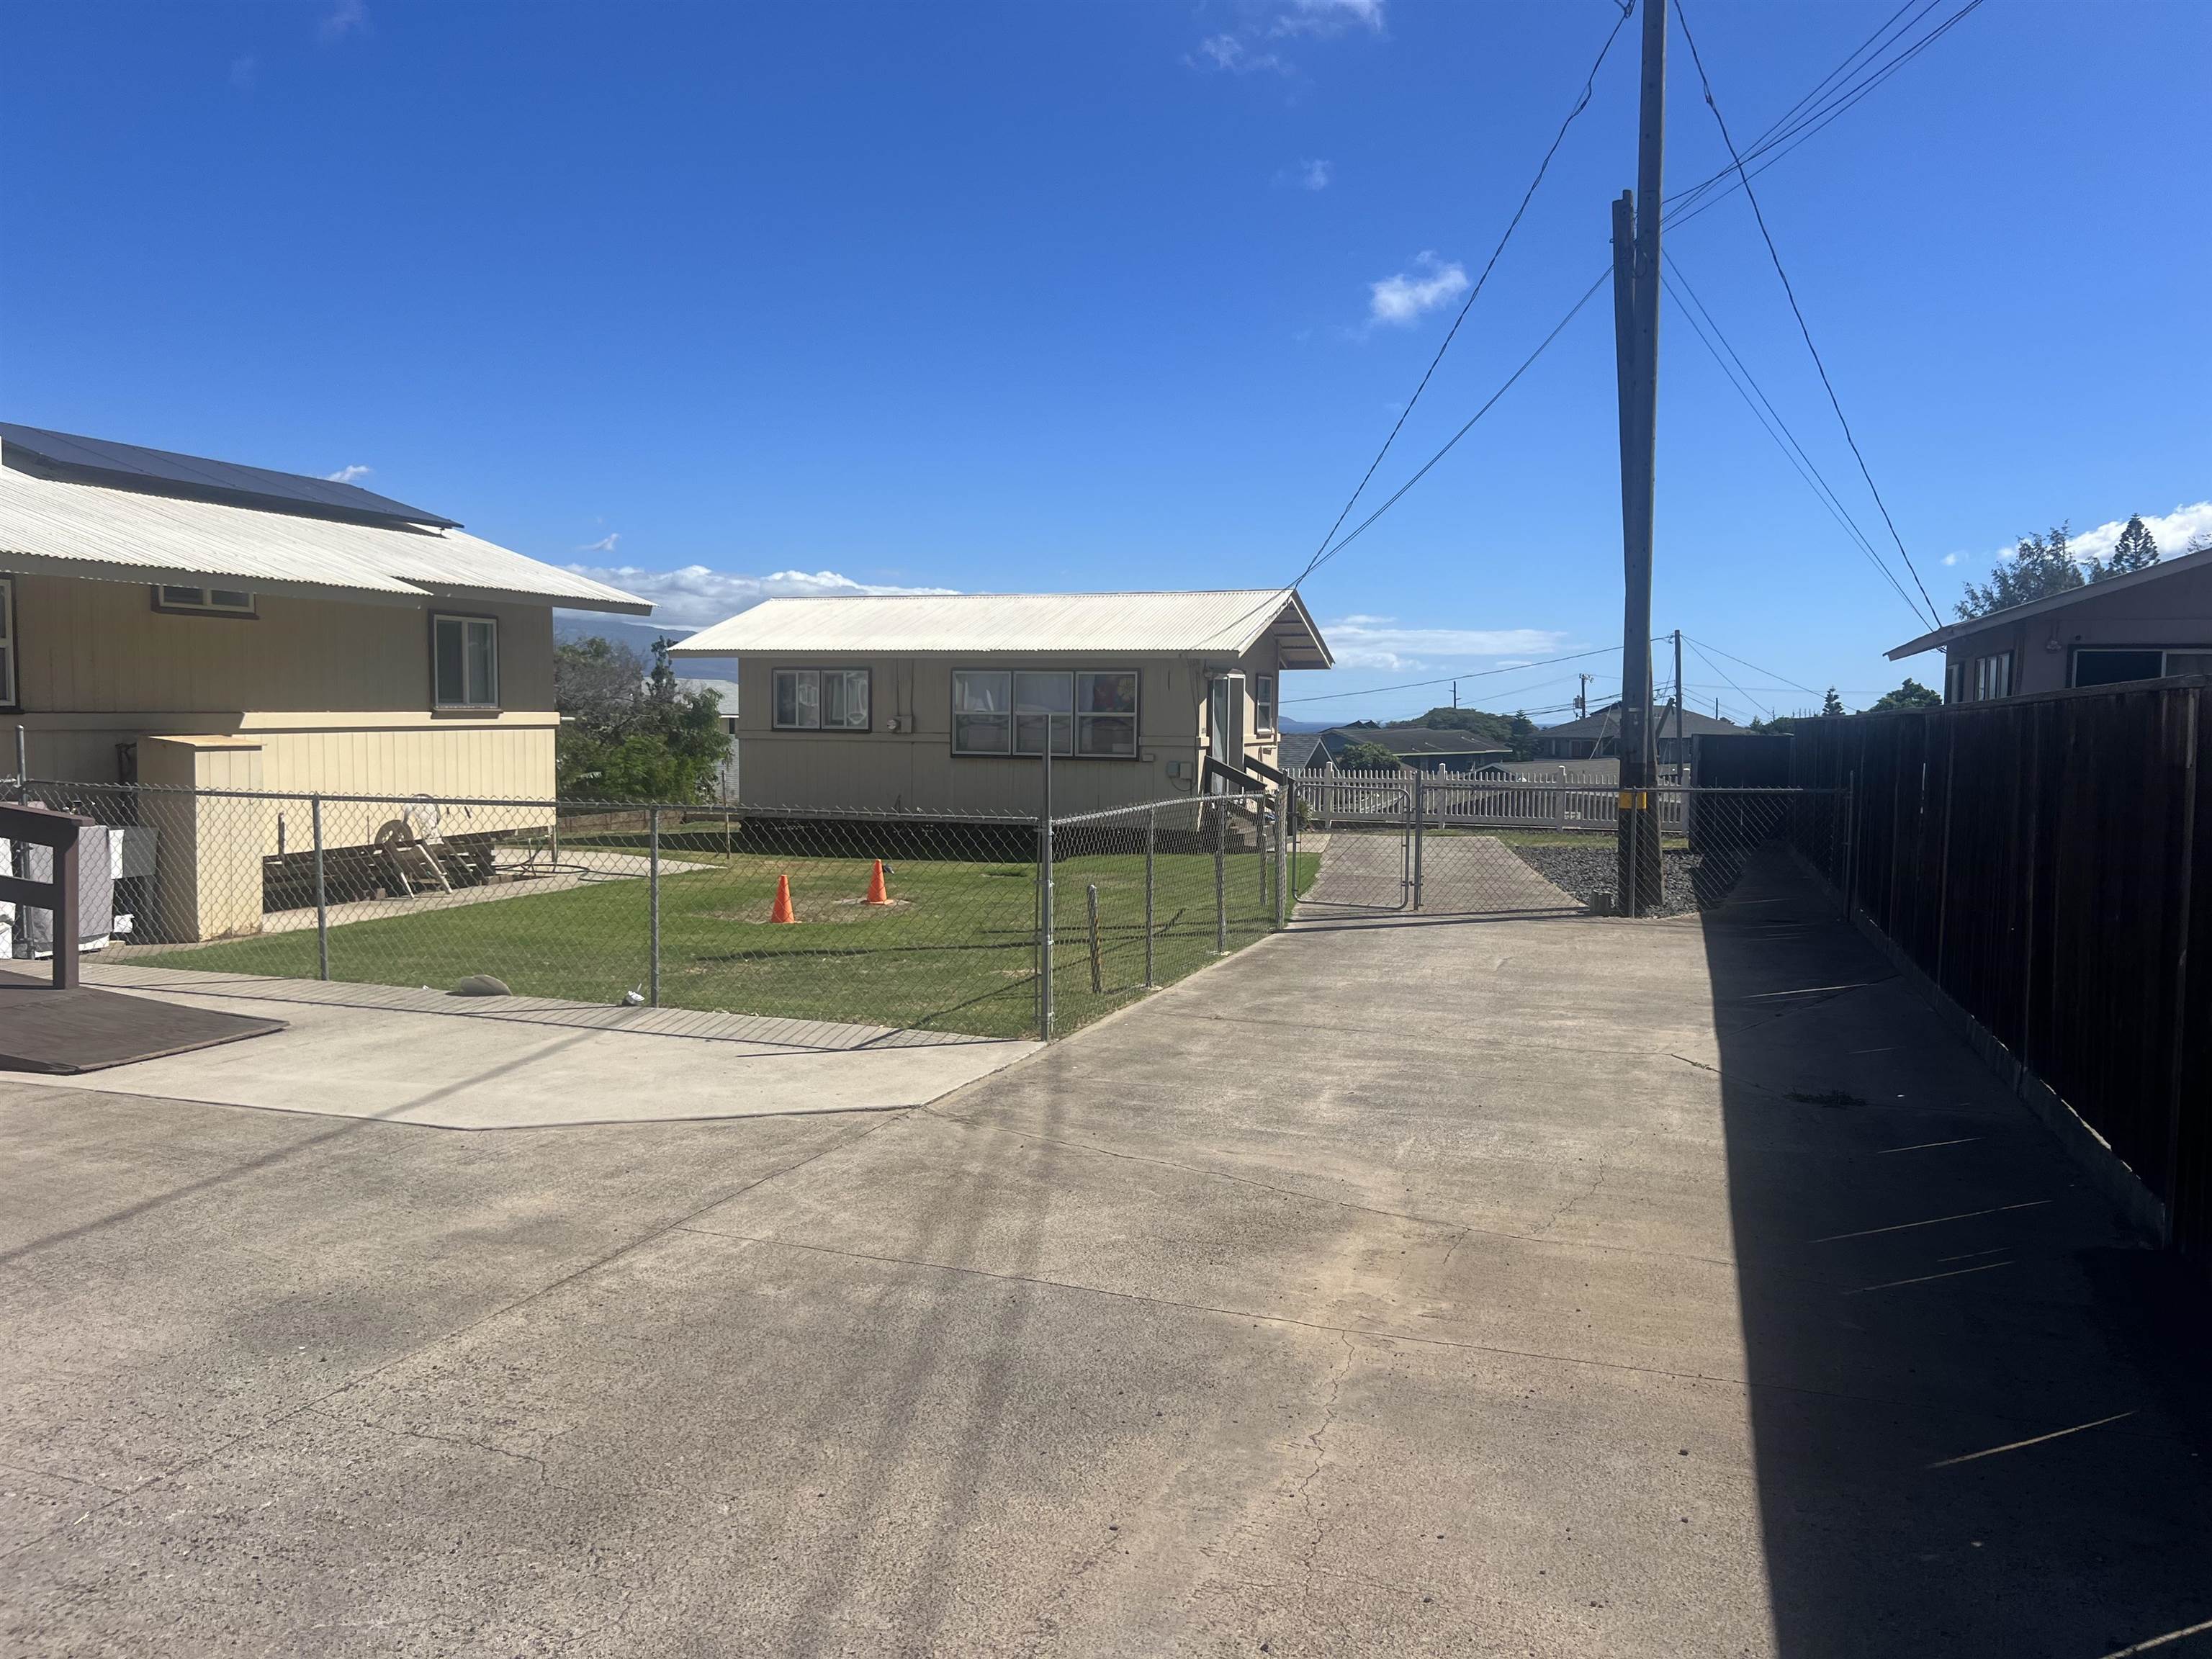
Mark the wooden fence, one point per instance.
(2046, 861)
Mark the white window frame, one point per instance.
(463, 704)
(11, 633)
(811, 714)
(203, 601)
(1070, 724)
(1263, 706)
(1993, 676)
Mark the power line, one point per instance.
(1558, 328)
(1678, 284)
(1785, 135)
(1477, 674)
(1724, 673)
(1773, 254)
(1582, 103)
(1790, 683)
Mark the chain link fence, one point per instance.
(1009, 927)
(902, 919)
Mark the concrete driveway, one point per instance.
(1478, 1288)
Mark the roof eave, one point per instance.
(1943, 635)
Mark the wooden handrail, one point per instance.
(60, 831)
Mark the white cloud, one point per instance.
(604, 545)
(1306, 175)
(349, 474)
(1230, 53)
(1401, 300)
(696, 596)
(1364, 642)
(1326, 17)
(2172, 531)
(346, 17)
(1243, 50)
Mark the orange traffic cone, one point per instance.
(878, 894)
(783, 911)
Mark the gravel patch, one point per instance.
(1687, 881)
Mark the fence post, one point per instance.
(322, 903)
(1420, 824)
(1097, 966)
(1044, 927)
(652, 887)
(1220, 875)
(1151, 837)
(1287, 800)
(22, 768)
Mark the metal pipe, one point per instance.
(1045, 900)
(652, 885)
(1097, 966)
(322, 896)
(1420, 824)
(1220, 875)
(1284, 800)
(22, 769)
(1152, 839)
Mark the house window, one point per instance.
(7, 642)
(2109, 666)
(211, 601)
(1955, 682)
(1106, 714)
(464, 662)
(982, 712)
(1090, 714)
(1263, 704)
(821, 700)
(1993, 676)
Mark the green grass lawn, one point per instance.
(955, 951)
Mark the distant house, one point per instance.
(1597, 735)
(945, 701)
(168, 619)
(1296, 751)
(2143, 626)
(1420, 748)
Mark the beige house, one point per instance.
(945, 701)
(166, 619)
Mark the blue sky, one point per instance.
(741, 298)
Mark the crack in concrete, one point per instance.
(1320, 1453)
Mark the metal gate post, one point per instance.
(653, 885)
(1286, 807)
(1420, 822)
(1151, 837)
(1044, 927)
(1220, 875)
(322, 905)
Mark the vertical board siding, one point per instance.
(2047, 863)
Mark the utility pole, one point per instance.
(1679, 776)
(1454, 694)
(1582, 698)
(1636, 329)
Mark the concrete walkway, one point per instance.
(1581, 1288)
(425, 1057)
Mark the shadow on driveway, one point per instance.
(1979, 1412)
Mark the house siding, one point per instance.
(2175, 612)
(336, 696)
(914, 767)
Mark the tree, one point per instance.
(1909, 695)
(628, 734)
(1367, 756)
(2136, 550)
(2039, 567)
(1517, 732)
(1832, 704)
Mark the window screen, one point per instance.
(2116, 667)
(821, 700)
(982, 712)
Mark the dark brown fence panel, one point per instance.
(2047, 862)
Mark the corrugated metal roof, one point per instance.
(942, 624)
(124, 535)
